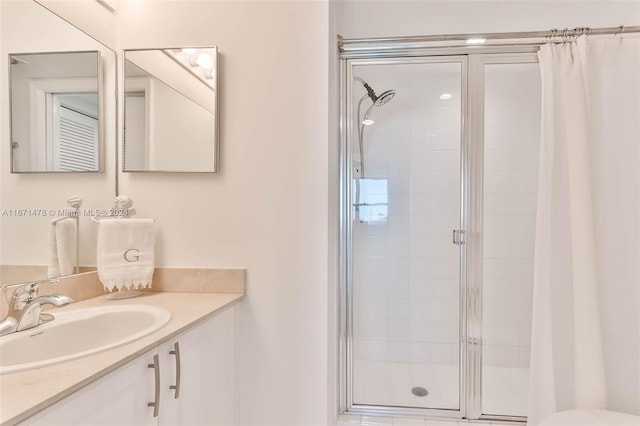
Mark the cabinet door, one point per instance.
(120, 398)
(206, 389)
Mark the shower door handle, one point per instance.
(458, 237)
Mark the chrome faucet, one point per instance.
(25, 307)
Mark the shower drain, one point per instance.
(418, 391)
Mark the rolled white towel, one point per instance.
(62, 247)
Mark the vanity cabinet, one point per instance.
(206, 386)
(201, 371)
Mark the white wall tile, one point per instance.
(523, 247)
(507, 356)
(399, 308)
(444, 203)
(501, 203)
(399, 267)
(445, 161)
(398, 351)
(398, 288)
(441, 353)
(528, 182)
(399, 181)
(398, 224)
(420, 204)
(375, 246)
(442, 224)
(527, 225)
(442, 138)
(500, 137)
(419, 331)
(500, 182)
(419, 353)
(400, 330)
(446, 117)
(507, 334)
(359, 348)
(377, 350)
(496, 225)
(398, 203)
(524, 356)
(500, 160)
(376, 165)
(419, 223)
(419, 291)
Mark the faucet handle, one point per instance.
(23, 295)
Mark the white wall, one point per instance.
(267, 208)
(358, 18)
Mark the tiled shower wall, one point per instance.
(406, 291)
(512, 132)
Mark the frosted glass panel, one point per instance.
(406, 202)
(511, 145)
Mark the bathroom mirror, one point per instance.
(170, 113)
(55, 111)
(30, 202)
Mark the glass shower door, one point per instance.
(405, 198)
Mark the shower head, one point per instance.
(385, 97)
(378, 100)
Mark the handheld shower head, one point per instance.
(385, 97)
(378, 100)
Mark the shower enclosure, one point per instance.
(438, 195)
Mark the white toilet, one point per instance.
(590, 418)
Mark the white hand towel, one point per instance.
(125, 253)
(62, 247)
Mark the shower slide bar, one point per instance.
(343, 43)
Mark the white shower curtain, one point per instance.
(585, 347)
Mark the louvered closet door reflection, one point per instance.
(75, 139)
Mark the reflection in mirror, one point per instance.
(170, 111)
(55, 109)
(35, 208)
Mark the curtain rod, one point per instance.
(490, 36)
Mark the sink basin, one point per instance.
(76, 333)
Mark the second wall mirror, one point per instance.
(170, 113)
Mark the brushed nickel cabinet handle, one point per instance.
(176, 352)
(156, 403)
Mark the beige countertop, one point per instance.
(24, 393)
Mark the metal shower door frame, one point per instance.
(472, 63)
(346, 259)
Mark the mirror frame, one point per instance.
(215, 123)
(101, 112)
